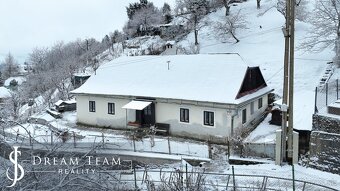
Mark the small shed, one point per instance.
(169, 44)
(69, 105)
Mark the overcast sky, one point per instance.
(25, 24)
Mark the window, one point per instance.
(244, 116)
(184, 115)
(208, 118)
(260, 103)
(252, 108)
(92, 106)
(147, 110)
(111, 108)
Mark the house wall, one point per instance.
(250, 117)
(169, 112)
(101, 116)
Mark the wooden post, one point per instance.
(186, 176)
(228, 148)
(209, 149)
(169, 146)
(51, 138)
(293, 177)
(234, 186)
(74, 139)
(103, 139)
(337, 89)
(227, 182)
(326, 94)
(315, 101)
(135, 177)
(134, 143)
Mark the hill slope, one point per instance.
(264, 46)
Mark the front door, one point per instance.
(146, 117)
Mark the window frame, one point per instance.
(111, 110)
(92, 106)
(183, 118)
(260, 103)
(209, 122)
(252, 108)
(244, 116)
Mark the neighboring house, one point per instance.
(79, 79)
(198, 96)
(68, 105)
(169, 48)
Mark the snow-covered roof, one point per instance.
(19, 79)
(59, 102)
(171, 42)
(4, 92)
(202, 77)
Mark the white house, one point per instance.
(197, 95)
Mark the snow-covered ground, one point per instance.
(265, 47)
(264, 133)
(113, 139)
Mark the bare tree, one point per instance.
(326, 28)
(193, 11)
(229, 26)
(10, 66)
(301, 11)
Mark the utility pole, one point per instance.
(291, 81)
(288, 84)
(286, 32)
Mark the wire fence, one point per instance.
(188, 179)
(326, 94)
(71, 140)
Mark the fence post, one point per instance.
(134, 143)
(227, 182)
(169, 145)
(186, 176)
(293, 177)
(326, 93)
(74, 139)
(228, 149)
(51, 138)
(135, 177)
(315, 101)
(103, 140)
(209, 149)
(232, 170)
(337, 89)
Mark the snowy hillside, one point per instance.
(262, 43)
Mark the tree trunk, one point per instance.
(337, 51)
(232, 34)
(258, 2)
(196, 31)
(227, 10)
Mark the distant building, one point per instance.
(197, 96)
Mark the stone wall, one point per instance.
(325, 152)
(325, 143)
(326, 123)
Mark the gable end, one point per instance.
(252, 81)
